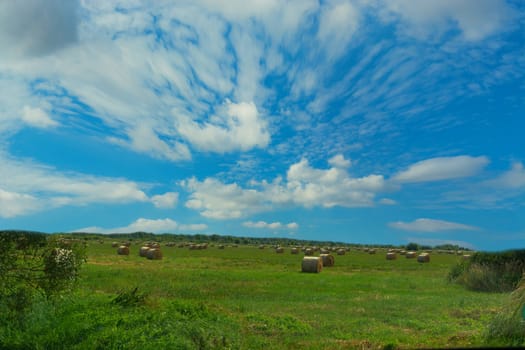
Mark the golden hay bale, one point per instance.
(341, 252)
(312, 264)
(123, 250)
(423, 258)
(261, 246)
(371, 251)
(279, 250)
(115, 245)
(328, 259)
(143, 252)
(391, 256)
(294, 251)
(410, 255)
(402, 252)
(308, 252)
(154, 254)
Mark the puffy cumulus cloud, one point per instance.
(37, 27)
(339, 161)
(216, 200)
(237, 127)
(442, 168)
(141, 224)
(431, 225)
(166, 200)
(476, 20)
(304, 186)
(387, 201)
(37, 118)
(272, 225)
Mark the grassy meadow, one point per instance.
(250, 298)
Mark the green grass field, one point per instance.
(248, 298)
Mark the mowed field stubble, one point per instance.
(249, 298)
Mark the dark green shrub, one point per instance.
(490, 272)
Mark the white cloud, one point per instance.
(339, 161)
(193, 227)
(304, 186)
(141, 224)
(237, 127)
(431, 225)
(14, 204)
(387, 201)
(272, 225)
(513, 179)
(36, 27)
(475, 19)
(28, 187)
(442, 168)
(166, 200)
(36, 117)
(147, 225)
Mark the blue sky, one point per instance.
(362, 121)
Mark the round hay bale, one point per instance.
(466, 257)
(308, 252)
(279, 250)
(143, 252)
(115, 245)
(154, 254)
(312, 264)
(391, 256)
(341, 252)
(294, 251)
(221, 246)
(324, 251)
(371, 251)
(423, 258)
(261, 246)
(402, 252)
(123, 250)
(328, 259)
(410, 255)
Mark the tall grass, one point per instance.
(508, 327)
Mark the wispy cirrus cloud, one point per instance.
(431, 225)
(442, 168)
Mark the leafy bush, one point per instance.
(130, 298)
(490, 272)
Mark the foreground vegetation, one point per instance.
(249, 298)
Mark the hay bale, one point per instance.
(391, 256)
(308, 252)
(466, 256)
(294, 251)
(279, 250)
(328, 259)
(221, 246)
(341, 252)
(123, 250)
(410, 255)
(261, 246)
(115, 245)
(423, 258)
(143, 252)
(312, 264)
(371, 251)
(324, 251)
(154, 254)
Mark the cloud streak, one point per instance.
(431, 225)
